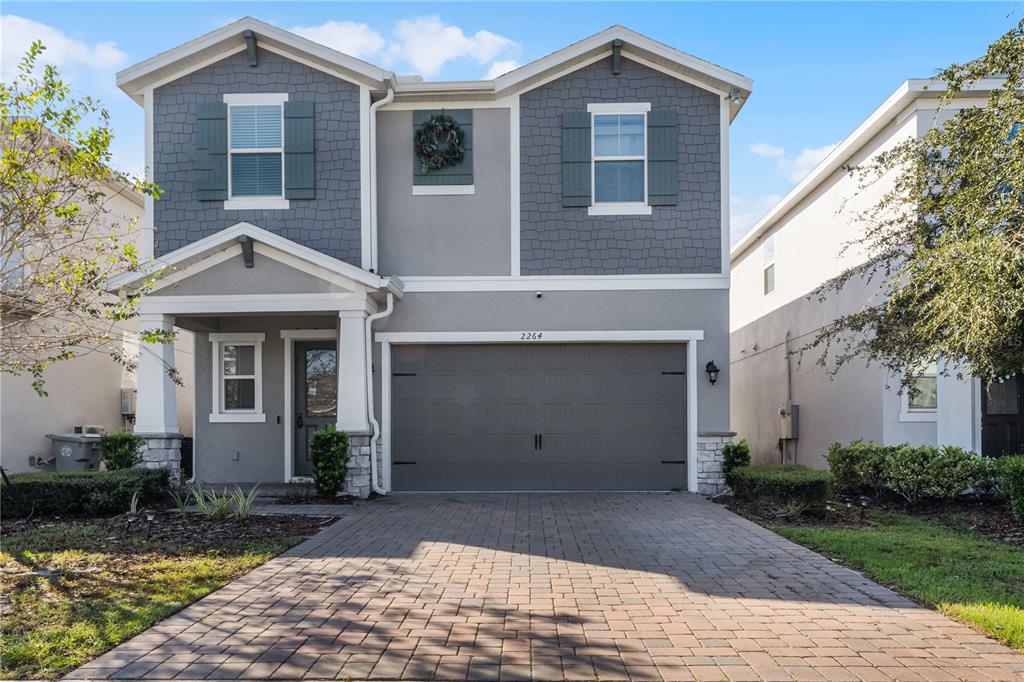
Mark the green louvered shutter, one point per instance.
(211, 154)
(299, 154)
(576, 158)
(662, 158)
(460, 173)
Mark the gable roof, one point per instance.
(892, 107)
(190, 254)
(228, 40)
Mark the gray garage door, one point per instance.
(538, 417)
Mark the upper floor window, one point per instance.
(256, 151)
(768, 254)
(619, 159)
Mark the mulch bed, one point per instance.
(173, 530)
(988, 517)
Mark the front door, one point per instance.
(1002, 417)
(316, 396)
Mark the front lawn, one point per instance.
(74, 589)
(952, 569)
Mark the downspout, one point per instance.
(373, 170)
(374, 425)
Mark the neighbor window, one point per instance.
(923, 394)
(619, 149)
(256, 150)
(238, 381)
(768, 255)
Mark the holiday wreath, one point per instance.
(439, 143)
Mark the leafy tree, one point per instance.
(945, 243)
(60, 237)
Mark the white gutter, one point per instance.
(373, 171)
(374, 424)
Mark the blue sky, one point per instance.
(818, 68)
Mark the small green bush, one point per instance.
(921, 472)
(90, 493)
(329, 451)
(121, 450)
(858, 467)
(1011, 483)
(734, 456)
(782, 484)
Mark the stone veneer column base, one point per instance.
(710, 447)
(162, 451)
(357, 480)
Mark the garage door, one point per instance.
(538, 417)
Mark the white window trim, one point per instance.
(442, 190)
(260, 202)
(616, 207)
(918, 414)
(219, 414)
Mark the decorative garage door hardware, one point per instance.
(538, 441)
(680, 373)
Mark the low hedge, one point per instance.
(785, 484)
(89, 493)
(1011, 483)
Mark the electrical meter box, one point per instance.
(789, 416)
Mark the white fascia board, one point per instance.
(211, 304)
(530, 336)
(566, 283)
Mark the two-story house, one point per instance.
(804, 241)
(541, 313)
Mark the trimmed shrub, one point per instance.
(858, 467)
(943, 473)
(1011, 483)
(783, 484)
(90, 493)
(329, 451)
(734, 456)
(121, 450)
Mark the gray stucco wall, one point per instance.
(328, 223)
(585, 311)
(267, 276)
(259, 447)
(844, 408)
(566, 241)
(444, 235)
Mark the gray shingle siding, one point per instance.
(685, 238)
(328, 223)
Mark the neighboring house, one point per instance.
(536, 317)
(798, 246)
(85, 390)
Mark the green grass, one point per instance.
(956, 571)
(101, 592)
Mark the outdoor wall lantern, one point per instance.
(712, 370)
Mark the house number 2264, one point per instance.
(531, 336)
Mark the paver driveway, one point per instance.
(579, 586)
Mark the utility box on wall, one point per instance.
(789, 414)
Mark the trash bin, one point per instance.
(75, 451)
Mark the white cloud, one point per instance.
(427, 43)
(744, 212)
(71, 55)
(352, 38)
(797, 169)
(767, 150)
(501, 67)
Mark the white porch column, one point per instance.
(956, 416)
(156, 405)
(352, 412)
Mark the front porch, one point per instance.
(281, 351)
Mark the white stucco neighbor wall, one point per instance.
(84, 390)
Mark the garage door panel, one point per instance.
(610, 415)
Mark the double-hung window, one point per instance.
(238, 378)
(921, 399)
(256, 151)
(619, 162)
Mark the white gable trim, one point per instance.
(182, 258)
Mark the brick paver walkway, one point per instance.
(574, 586)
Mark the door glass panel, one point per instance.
(1002, 397)
(321, 383)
